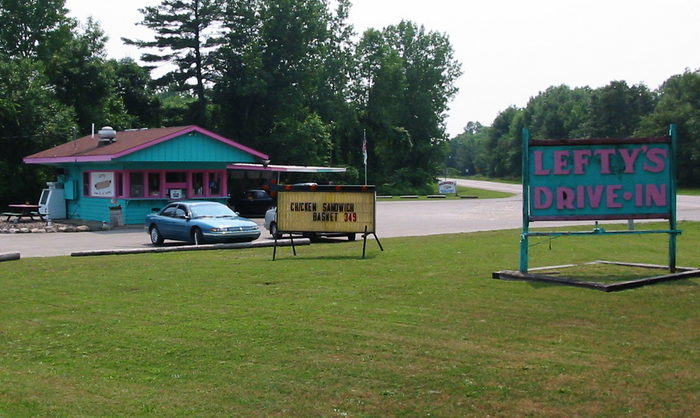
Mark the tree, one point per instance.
(559, 112)
(239, 95)
(280, 75)
(132, 84)
(33, 28)
(406, 80)
(679, 103)
(186, 34)
(31, 120)
(616, 109)
(465, 153)
(334, 104)
(503, 144)
(83, 80)
(308, 141)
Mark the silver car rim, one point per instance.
(155, 235)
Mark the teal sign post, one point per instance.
(599, 179)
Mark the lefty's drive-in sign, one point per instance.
(342, 209)
(600, 179)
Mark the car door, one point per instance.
(180, 222)
(166, 222)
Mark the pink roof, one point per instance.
(86, 149)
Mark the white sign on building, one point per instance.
(102, 184)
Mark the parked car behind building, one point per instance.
(253, 202)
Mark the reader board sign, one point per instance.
(326, 209)
(600, 179)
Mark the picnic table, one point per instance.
(23, 210)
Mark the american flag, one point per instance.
(364, 150)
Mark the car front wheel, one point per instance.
(156, 236)
(197, 236)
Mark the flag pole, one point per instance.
(364, 151)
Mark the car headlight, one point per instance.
(217, 229)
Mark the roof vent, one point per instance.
(107, 134)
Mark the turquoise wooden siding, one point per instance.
(135, 211)
(72, 180)
(89, 208)
(193, 147)
(188, 152)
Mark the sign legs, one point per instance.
(274, 250)
(364, 241)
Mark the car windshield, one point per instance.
(212, 210)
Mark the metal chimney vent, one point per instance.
(107, 134)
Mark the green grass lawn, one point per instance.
(494, 179)
(461, 191)
(418, 329)
(689, 191)
(481, 193)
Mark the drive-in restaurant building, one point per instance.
(133, 172)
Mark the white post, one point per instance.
(364, 151)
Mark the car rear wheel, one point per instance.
(156, 236)
(197, 236)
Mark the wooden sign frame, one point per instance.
(599, 179)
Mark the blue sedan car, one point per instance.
(199, 221)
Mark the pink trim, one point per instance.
(125, 192)
(186, 131)
(164, 185)
(119, 174)
(232, 143)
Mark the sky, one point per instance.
(510, 50)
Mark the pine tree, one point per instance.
(187, 35)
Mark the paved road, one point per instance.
(429, 217)
(394, 219)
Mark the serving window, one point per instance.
(136, 184)
(171, 184)
(154, 182)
